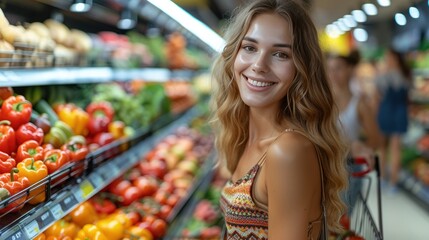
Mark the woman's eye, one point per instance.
(249, 48)
(281, 55)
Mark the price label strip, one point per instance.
(57, 211)
(32, 229)
(17, 234)
(45, 220)
(96, 180)
(84, 190)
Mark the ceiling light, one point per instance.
(384, 3)
(400, 19)
(370, 9)
(360, 34)
(414, 12)
(349, 21)
(81, 5)
(359, 15)
(196, 27)
(333, 31)
(340, 24)
(128, 19)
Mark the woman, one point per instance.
(393, 85)
(275, 125)
(357, 119)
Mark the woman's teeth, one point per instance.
(259, 84)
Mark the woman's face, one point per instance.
(339, 72)
(263, 67)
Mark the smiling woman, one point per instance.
(275, 121)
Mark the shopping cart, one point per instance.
(362, 222)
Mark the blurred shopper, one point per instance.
(357, 119)
(276, 127)
(393, 85)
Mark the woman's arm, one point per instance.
(368, 121)
(293, 186)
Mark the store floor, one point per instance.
(403, 218)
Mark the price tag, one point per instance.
(84, 190)
(68, 203)
(57, 211)
(17, 234)
(32, 229)
(44, 220)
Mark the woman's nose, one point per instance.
(260, 63)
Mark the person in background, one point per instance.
(393, 85)
(357, 119)
(275, 124)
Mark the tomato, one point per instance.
(158, 228)
(146, 185)
(164, 211)
(5, 93)
(130, 195)
(133, 216)
(167, 186)
(161, 197)
(118, 187)
(172, 200)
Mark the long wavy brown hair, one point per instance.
(308, 104)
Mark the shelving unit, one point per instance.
(415, 188)
(86, 75)
(39, 218)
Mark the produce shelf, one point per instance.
(97, 170)
(178, 224)
(415, 188)
(85, 75)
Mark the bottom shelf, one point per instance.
(414, 188)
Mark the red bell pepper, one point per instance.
(100, 115)
(7, 137)
(103, 138)
(13, 183)
(75, 150)
(6, 163)
(29, 149)
(54, 159)
(29, 131)
(17, 110)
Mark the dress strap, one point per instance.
(263, 157)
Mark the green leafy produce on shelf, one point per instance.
(154, 100)
(155, 44)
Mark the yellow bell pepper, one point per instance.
(122, 218)
(75, 117)
(90, 232)
(34, 171)
(138, 233)
(62, 229)
(111, 227)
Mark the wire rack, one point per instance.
(362, 219)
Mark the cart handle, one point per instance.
(361, 161)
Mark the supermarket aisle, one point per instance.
(403, 219)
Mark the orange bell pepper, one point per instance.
(117, 129)
(10, 184)
(54, 159)
(76, 151)
(84, 214)
(90, 232)
(41, 236)
(34, 171)
(61, 229)
(29, 149)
